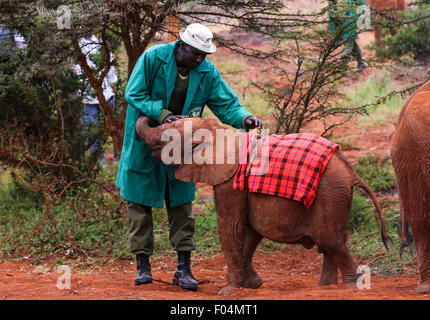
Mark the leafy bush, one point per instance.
(86, 223)
(364, 241)
(362, 211)
(411, 39)
(377, 172)
(41, 124)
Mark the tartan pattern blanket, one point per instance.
(288, 166)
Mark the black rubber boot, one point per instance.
(143, 270)
(361, 66)
(183, 276)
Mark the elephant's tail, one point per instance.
(384, 231)
(360, 183)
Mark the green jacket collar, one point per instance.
(170, 70)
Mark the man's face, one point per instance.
(189, 57)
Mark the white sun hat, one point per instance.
(198, 36)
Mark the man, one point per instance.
(346, 23)
(170, 82)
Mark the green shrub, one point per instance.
(365, 242)
(42, 127)
(86, 223)
(377, 172)
(411, 39)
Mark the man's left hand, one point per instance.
(253, 122)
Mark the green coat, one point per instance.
(343, 14)
(141, 178)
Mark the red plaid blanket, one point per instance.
(289, 166)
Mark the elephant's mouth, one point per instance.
(157, 153)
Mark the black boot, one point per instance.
(183, 276)
(143, 269)
(361, 66)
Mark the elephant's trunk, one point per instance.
(149, 134)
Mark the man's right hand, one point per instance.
(173, 117)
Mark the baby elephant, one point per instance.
(244, 217)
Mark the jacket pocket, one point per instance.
(140, 159)
(196, 108)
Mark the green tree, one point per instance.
(130, 25)
(40, 124)
(412, 34)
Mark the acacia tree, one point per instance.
(309, 92)
(128, 24)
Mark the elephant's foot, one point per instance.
(326, 281)
(424, 287)
(329, 273)
(351, 281)
(227, 290)
(252, 282)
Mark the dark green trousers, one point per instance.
(181, 227)
(351, 49)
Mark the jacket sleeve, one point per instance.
(137, 92)
(225, 104)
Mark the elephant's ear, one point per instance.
(206, 173)
(215, 158)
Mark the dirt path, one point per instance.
(289, 273)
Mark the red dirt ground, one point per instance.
(291, 273)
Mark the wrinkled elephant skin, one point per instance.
(411, 161)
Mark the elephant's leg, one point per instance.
(232, 209)
(415, 212)
(421, 237)
(340, 256)
(232, 243)
(252, 239)
(329, 271)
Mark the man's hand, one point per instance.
(173, 117)
(253, 122)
